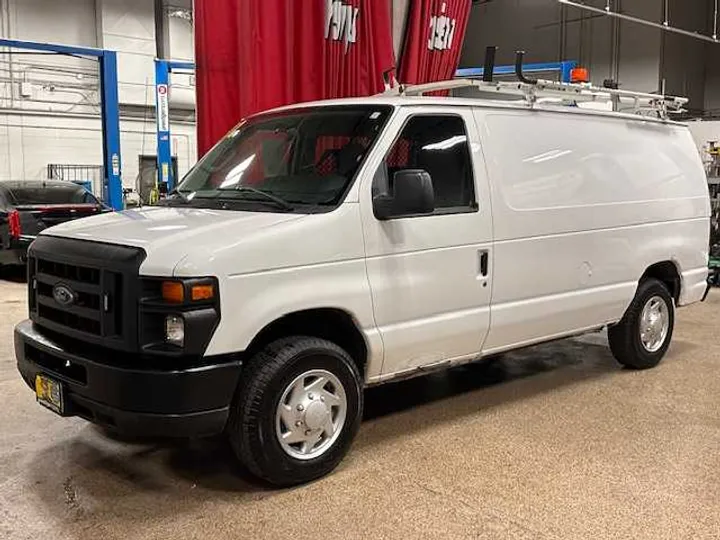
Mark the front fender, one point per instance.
(250, 302)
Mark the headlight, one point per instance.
(178, 316)
(175, 330)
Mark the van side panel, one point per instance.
(582, 206)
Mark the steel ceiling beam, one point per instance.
(661, 26)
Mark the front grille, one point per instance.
(69, 271)
(83, 299)
(90, 310)
(85, 290)
(83, 324)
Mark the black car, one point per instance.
(28, 207)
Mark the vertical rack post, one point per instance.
(162, 110)
(110, 107)
(163, 68)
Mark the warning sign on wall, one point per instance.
(163, 108)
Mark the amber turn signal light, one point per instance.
(579, 75)
(202, 292)
(173, 292)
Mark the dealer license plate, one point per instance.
(49, 393)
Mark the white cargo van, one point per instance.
(329, 246)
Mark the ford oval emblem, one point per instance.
(63, 295)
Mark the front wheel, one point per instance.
(641, 339)
(297, 410)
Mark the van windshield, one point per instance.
(300, 160)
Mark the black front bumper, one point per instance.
(187, 402)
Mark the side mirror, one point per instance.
(413, 194)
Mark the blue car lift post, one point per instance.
(109, 105)
(163, 68)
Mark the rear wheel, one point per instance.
(297, 410)
(641, 339)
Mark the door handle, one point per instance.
(484, 260)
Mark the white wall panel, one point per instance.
(59, 122)
(55, 83)
(704, 132)
(28, 143)
(182, 47)
(128, 26)
(54, 21)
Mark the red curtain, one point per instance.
(252, 55)
(433, 39)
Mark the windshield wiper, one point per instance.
(269, 197)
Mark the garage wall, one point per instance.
(712, 73)
(29, 142)
(704, 132)
(128, 26)
(49, 104)
(181, 46)
(641, 58)
(530, 25)
(684, 58)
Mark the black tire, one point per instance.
(251, 427)
(624, 337)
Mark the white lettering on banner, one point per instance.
(163, 112)
(341, 22)
(442, 31)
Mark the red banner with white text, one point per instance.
(252, 55)
(434, 36)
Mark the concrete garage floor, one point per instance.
(553, 442)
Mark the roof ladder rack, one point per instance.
(532, 91)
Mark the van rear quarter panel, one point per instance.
(582, 205)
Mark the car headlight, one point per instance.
(175, 330)
(178, 316)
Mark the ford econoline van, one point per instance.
(325, 247)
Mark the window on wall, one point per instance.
(437, 144)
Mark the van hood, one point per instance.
(168, 234)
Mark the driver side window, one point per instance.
(437, 144)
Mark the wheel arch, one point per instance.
(668, 273)
(332, 324)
